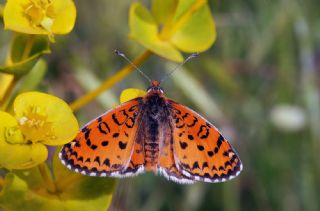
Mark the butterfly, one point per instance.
(152, 133)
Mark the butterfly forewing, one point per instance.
(202, 153)
(105, 145)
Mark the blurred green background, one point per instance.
(259, 84)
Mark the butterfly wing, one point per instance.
(105, 146)
(201, 152)
(167, 165)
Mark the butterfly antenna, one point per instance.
(193, 55)
(130, 62)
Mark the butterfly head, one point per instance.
(155, 87)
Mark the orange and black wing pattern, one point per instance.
(106, 145)
(201, 152)
(167, 164)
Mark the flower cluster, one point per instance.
(39, 119)
(40, 16)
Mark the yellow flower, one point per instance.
(15, 152)
(39, 119)
(131, 93)
(40, 16)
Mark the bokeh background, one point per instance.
(259, 83)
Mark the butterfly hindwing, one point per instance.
(167, 164)
(201, 152)
(105, 145)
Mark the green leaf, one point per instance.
(35, 76)
(90, 193)
(25, 51)
(173, 26)
(26, 190)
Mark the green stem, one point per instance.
(1, 183)
(66, 181)
(28, 47)
(1, 11)
(5, 100)
(26, 52)
(50, 185)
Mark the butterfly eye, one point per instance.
(158, 89)
(155, 88)
(150, 88)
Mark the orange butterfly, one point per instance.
(152, 133)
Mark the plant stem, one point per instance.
(43, 169)
(1, 11)
(1, 183)
(28, 47)
(26, 52)
(5, 100)
(67, 180)
(109, 82)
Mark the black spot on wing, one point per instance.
(93, 147)
(220, 140)
(84, 129)
(195, 165)
(115, 135)
(183, 145)
(190, 137)
(130, 122)
(203, 132)
(87, 133)
(122, 145)
(103, 127)
(88, 142)
(116, 120)
(179, 123)
(106, 162)
(205, 165)
(105, 143)
(97, 159)
(200, 147)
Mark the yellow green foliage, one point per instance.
(24, 54)
(28, 190)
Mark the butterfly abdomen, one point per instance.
(151, 145)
